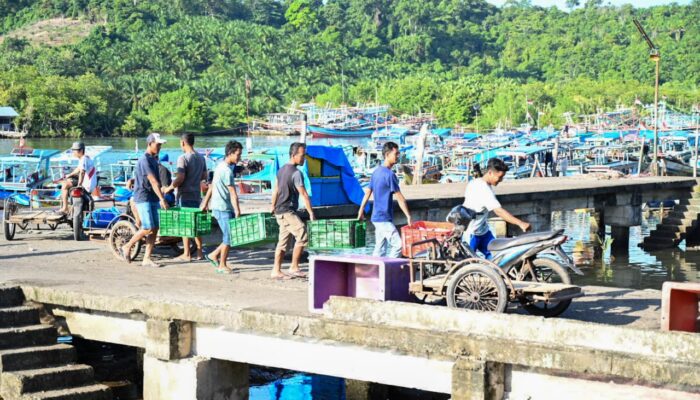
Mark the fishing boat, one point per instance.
(352, 132)
(523, 160)
(348, 122)
(278, 124)
(25, 169)
(65, 163)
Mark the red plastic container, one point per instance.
(679, 306)
(422, 230)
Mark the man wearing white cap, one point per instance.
(84, 175)
(147, 197)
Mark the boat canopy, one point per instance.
(520, 151)
(30, 154)
(442, 132)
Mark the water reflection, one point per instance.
(301, 386)
(637, 270)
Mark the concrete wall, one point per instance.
(469, 354)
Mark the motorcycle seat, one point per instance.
(526, 238)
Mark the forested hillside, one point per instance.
(172, 65)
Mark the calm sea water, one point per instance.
(638, 269)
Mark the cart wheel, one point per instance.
(549, 271)
(9, 228)
(78, 225)
(477, 287)
(121, 233)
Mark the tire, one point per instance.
(120, 234)
(477, 287)
(78, 223)
(550, 271)
(8, 228)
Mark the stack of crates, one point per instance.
(184, 222)
(332, 234)
(253, 228)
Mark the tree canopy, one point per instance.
(183, 65)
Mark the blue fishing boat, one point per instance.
(320, 132)
(24, 169)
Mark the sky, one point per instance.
(636, 3)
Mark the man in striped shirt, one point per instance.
(85, 175)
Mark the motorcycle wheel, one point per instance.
(477, 287)
(549, 271)
(9, 228)
(78, 224)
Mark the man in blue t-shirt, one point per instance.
(384, 185)
(147, 197)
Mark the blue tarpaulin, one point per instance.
(336, 157)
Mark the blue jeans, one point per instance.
(481, 243)
(387, 240)
(148, 214)
(223, 217)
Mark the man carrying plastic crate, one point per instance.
(191, 171)
(384, 185)
(479, 196)
(224, 203)
(285, 203)
(147, 197)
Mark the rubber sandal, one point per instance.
(281, 278)
(298, 274)
(212, 262)
(123, 255)
(224, 271)
(152, 265)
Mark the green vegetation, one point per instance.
(183, 65)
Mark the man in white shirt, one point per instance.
(480, 198)
(84, 175)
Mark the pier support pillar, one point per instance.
(194, 379)
(628, 215)
(361, 390)
(620, 219)
(621, 239)
(477, 380)
(538, 223)
(168, 340)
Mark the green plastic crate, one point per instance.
(253, 228)
(184, 222)
(331, 234)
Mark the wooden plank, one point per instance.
(551, 289)
(24, 217)
(54, 217)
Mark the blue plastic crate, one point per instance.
(101, 217)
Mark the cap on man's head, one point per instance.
(154, 138)
(78, 146)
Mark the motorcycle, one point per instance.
(532, 257)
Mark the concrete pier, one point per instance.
(194, 324)
(618, 202)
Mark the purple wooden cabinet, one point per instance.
(357, 276)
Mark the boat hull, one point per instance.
(319, 132)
